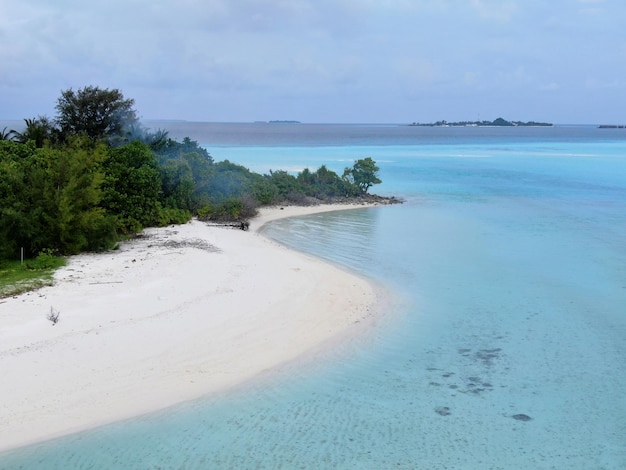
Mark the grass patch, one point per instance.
(16, 277)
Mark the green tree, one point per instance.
(263, 191)
(173, 149)
(7, 135)
(72, 194)
(177, 184)
(363, 174)
(49, 199)
(16, 216)
(323, 183)
(98, 113)
(287, 185)
(40, 130)
(329, 180)
(175, 158)
(132, 187)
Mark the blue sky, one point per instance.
(394, 61)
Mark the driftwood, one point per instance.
(245, 225)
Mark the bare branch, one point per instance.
(53, 316)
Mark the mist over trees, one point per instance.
(92, 174)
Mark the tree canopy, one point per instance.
(92, 175)
(363, 174)
(98, 113)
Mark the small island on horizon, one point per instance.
(500, 122)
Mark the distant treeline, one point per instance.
(497, 122)
(92, 175)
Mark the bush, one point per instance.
(44, 260)
(170, 215)
(232, 209)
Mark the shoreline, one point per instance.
(183, 312)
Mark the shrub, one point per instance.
(170, 215)
(44, 260)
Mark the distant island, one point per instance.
(285, 122)
(500, 122)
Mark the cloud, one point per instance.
(313, 58)
(500, 11)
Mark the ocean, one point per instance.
(505, 347)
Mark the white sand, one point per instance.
(157, 323)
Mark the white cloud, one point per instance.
(501, 11)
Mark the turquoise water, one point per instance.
(509, 256)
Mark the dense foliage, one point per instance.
(92, 175)
(95, 112)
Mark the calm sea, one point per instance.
(506, 348)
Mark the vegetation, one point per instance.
(92, 175)
(363, 175)
(99, 114)
(17, 277)
(499, 122)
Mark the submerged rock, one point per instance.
(521, 417)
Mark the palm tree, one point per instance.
(38, 129)
(135, 132)
(7, 135)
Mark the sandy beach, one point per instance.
(179, 313)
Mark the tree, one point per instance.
(40, 130)
(363, 174)
(136, 132)
(263, 191)
(132, 187)
(49, 198)
(323, 183)
(177, 184)
(288, 187)
(227, 180)
(174, 149)
(501, 122)
(175, 159)
(7, 135)
(98, 113)
(73, 184)
(16, 214)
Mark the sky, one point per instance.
(335, 61)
